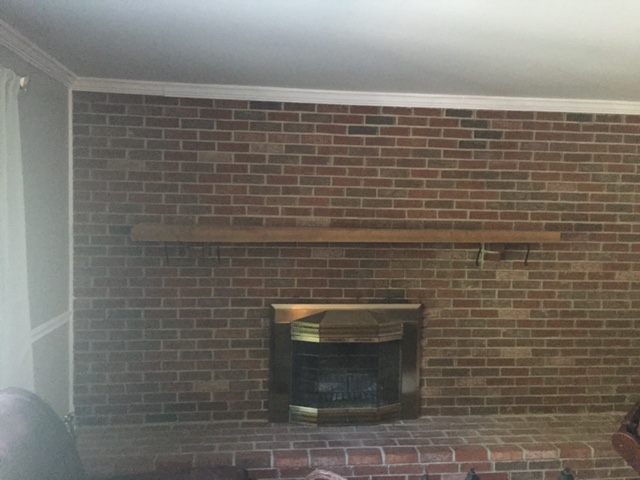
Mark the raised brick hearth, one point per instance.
(499, 447)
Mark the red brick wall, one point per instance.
(187, 339)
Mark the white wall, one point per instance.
(44, 122)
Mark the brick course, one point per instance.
(168, 333)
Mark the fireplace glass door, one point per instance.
(349, 381)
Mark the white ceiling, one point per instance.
(567, 49)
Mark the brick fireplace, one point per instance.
(159, 341)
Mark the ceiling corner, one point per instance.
(31, 53)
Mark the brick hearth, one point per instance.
(499, 447)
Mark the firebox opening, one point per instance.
(344, 364)
(345, 382)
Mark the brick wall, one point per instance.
(168, 334)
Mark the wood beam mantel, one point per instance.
(226, 235)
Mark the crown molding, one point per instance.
(30, 52)
(34, 55)
(337, 97)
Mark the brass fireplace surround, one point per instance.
(284, 315)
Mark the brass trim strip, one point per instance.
(343, 416)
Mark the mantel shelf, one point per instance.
(226, 235)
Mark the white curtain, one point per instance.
(16, 356)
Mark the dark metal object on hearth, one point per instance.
(472, 475)
(567, 474)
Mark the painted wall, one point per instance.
(44, 121)
(165, 333)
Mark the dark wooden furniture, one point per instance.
(626, 441)
(35, 444)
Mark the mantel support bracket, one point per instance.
(482, 250)
(185, 254)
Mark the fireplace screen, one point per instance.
(345, 382)
(338, 365)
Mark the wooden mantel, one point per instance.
(225, 235)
